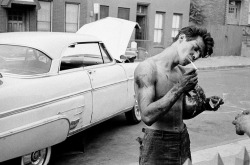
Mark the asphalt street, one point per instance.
(113, 142)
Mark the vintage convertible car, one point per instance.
(54, 85)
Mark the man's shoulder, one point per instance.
(147, 68)
(147, 64)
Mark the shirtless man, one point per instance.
(160, 86)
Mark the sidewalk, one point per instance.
(228, 152)
(221, 62)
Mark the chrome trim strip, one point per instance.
(100, 65)
(39, 105)
(82, 106)
(12, 75)
(104, 86)
(97, 122)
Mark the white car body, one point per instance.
(39, 110)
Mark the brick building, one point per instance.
(225, 12)
(159, 19)
(229, 23)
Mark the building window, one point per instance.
(123, 13)
(44, 16)
(158, 29)
(72, 17)
(141, 9)
(232, 9)
(104, 11)
(176, 25)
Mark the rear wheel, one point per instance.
(134, 116)
(40, 157)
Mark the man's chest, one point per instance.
(166, 81)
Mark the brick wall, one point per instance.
(244, 12)
(58, 21)
(33, 18)
(214, 10)
(3, 19)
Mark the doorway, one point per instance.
(17, 20)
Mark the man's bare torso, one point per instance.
(165, 80)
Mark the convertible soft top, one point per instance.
(51, 43)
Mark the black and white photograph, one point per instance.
(124, 82)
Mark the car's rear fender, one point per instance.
(34, 136)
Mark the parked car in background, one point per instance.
(54, 85)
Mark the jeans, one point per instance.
(164, 147)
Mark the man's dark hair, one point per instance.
(192, 32)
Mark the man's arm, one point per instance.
(145, 80)
(210, 104)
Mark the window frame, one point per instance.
(101, 47)
(29, 59)
(50, 16)
(78, 17)
(123, 9)
(176, 29)
(102, 7)
(159, 28)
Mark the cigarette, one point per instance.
(211, 103)
(193, 64)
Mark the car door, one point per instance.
(72, 69)
(108, 80)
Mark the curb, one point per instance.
(224, 67)
(227, 151)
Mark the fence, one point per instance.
(242, 158)
(228, 39)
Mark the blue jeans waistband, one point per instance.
(163, 132)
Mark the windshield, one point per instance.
(23, 60)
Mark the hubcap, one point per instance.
(36, 158)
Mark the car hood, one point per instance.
(115, 33)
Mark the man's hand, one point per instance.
(242, 123)
(246, 112)
(213, 103)
(189, 80)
